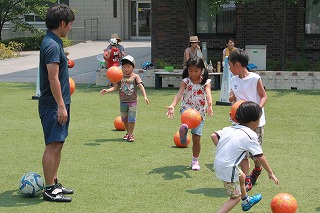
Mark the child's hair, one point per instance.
(198, 62)
(57, 14)
(248, 111)
(229, 39)
(239, 55)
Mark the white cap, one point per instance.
(129, 58)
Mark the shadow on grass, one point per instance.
(12, 198)
(280, 93)
(317, 209)
(172, 172)
(98, 142)
(209, 192)
(210, 167)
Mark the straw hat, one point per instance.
(116, 37)
(194, 39)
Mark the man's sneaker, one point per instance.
(253, 200)
(64, 190)
(255, 174)
(183, 131)
(195, 165)
(56, 196)
(248, 184)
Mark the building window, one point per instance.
(223, 23)
(34, 18)
(312, 17)
(115, 9)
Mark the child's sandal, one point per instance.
(130, 138)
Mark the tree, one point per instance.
(14, 10)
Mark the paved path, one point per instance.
(25, 67)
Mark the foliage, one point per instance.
(11, 50)
(160, 63)
(14, 11)
(151, 174)
(66, 42)
(33, 42)
(273, 65)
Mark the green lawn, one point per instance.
(151, 174)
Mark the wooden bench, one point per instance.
(159, 75)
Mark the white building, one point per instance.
(98, 19)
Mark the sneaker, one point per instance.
(255, 174)
(56, 196)
(130, 138)
(195, 165)
(248, 184)
(64, 190)
(253, 200)
(183, 131)
(125, 137)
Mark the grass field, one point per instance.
(151, 174)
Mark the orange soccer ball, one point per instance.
(284, 203)
(118, 124)
(114, 74)
(70, 63)
(191, 117)
(234, 108)
(176, 139)
(72, 85)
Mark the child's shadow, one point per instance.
(209, 192)
(172, 172)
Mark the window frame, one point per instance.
(216, 34)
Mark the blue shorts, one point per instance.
(52, 130)
(198, 129)
(128, 111)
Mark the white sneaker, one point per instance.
(195, 165)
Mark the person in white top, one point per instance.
(195, 92)
(247, 86)
(232, 145)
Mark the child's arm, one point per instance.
(262, 93)
(261, 158)
(232, 97)
(105, 91)
(209, 99)
(215, 138)
(143, 93)
(176, 100)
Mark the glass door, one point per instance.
(141, 19)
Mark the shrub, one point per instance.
(11, 50)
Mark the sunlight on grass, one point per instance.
(151, 174)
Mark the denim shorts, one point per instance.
(198, 129)
(128, 111)
(52, 130)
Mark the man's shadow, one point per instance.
(13, 198)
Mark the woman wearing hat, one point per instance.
(193, 51)
(119, 46)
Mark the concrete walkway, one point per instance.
(25, 67)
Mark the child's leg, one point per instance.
(257, 166)
(234, 191)
(245, 166)
(196, 146)
(229, 205)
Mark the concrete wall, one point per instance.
(270, 79)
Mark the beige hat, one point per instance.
(116, 37)
(194, 39)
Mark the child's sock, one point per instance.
(245, 200)
(56, 181)
(195, 159)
